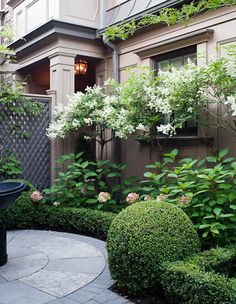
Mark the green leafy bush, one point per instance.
(202, 278)
(25, 214)
(13, 104)
(205, 189)
(9, 166)
(143, 236)
(77, 220)
(20, 213)
(80, 184)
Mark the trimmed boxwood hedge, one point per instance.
(202, 278)
(143, 236)
(25, 214)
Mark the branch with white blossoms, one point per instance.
(155, 105)
(91, 110)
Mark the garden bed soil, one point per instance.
(146, 297)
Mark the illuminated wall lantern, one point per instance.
(81, 67)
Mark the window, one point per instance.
(178, 59)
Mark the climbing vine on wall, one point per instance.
(169, 16)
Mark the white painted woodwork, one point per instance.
(31, 14)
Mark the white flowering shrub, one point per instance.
(150, 99)
(153, 104)
(92, 109)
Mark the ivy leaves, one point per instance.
(169, 16)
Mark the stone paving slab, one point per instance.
(48, 267)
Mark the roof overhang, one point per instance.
(49, 32)
(152, 10)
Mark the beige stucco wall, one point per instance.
(65, 48)
(223, 22)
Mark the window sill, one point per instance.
(181, 140)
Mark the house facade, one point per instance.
(52, 36)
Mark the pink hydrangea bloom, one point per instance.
(36, 196)
(132, 198)
(103, 197)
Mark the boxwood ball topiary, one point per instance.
(143, 236)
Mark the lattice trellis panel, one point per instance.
(33, 152)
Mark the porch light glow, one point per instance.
(81, 67)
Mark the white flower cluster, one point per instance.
(144, 100)
(167, 129)
(231, 103)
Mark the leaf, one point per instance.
(172, 154)
(209, 217)
(168, 160)
(149, 174)
(91, 188)
(102, 162)
(114, 174)
(227, 160)
(151, 166)
(205, 234)
(233, 165)
(232, 207)
(215, 231)
(223, 152)
(211, 159)
(204, 226)
(90, 174)
(77, 156)
(172, 175)
(91, 201)
(226, 215)
(224, 186)
(85, 164)
(217, 211)
(102, 184)
(232, 196)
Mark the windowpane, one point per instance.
(177, 59)
(177, 62)
(192, 57)
(163, 65)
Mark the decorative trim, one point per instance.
(62, 54)
(14, 3)
(189, 39)
(50, 31)
(182, 140)
(51, 92)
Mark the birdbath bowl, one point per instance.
(9, 192)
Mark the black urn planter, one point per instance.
(9, 192)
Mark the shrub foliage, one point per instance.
(25, 214)
(142, 237)
(205, 188)
(202, 278)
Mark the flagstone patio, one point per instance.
(56, 268)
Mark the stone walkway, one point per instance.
(56, 268)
